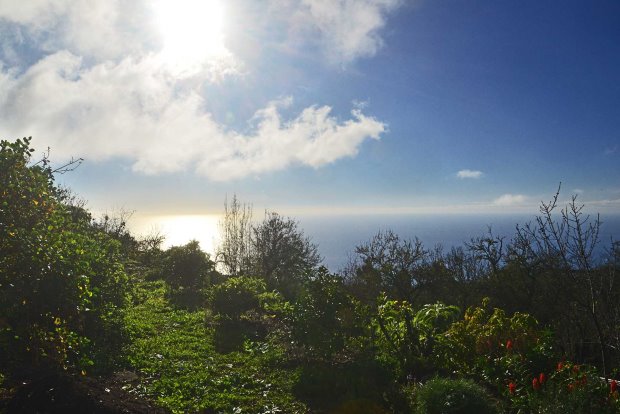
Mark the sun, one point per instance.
(192, 31)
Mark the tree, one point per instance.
(115, 226)
(62, 283)
(282, 254)
(387, 264)
(564, 247)
(610, 300)
(233, 252)
(275, 249)
(488, 251)
(465, 270)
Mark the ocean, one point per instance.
(338, 235)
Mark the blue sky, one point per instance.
(319, 105)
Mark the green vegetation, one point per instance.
(173, 351)
(530, 325)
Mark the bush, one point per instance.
(188, 270)
(495, 349)
(325, 317)
(236, 296)
(457, 396)
(570, 388)
(406, 339)
(237, 306)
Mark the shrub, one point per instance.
(324, 317)
(237, 306)
(570, 388)
(494, 349)
(452, 396)
(406, 339)
(236, 296)
(188, 270)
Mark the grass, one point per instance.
(172, 351)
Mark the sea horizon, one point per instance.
(338, 235)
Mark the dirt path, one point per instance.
(63, 393)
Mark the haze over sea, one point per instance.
(338, 235)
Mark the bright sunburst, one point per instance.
(192, 30)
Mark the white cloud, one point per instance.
(349, 29)
(469, 174)
(510, 200)
(135, 111)
(109, 29)
(343, 30)
(100, 31)
(96, 84)
(33, 12)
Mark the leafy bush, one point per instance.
(236, 296)
(62, 283)
(495, 349)
(236, 304)
(188, 270)
(324, 316)
(405, 338)
(452, 396)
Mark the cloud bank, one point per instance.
(93, 84)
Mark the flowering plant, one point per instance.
(499, 351)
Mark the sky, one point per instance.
(319, 106)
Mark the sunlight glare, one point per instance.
(191, 30)
(180, 229)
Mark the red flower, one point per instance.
(542, 378)
(509, 344)
(512, 387)
(575, 368)
(571, 387)
(613, 386)
(535, 384)
(584, 380)
(560, 365)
